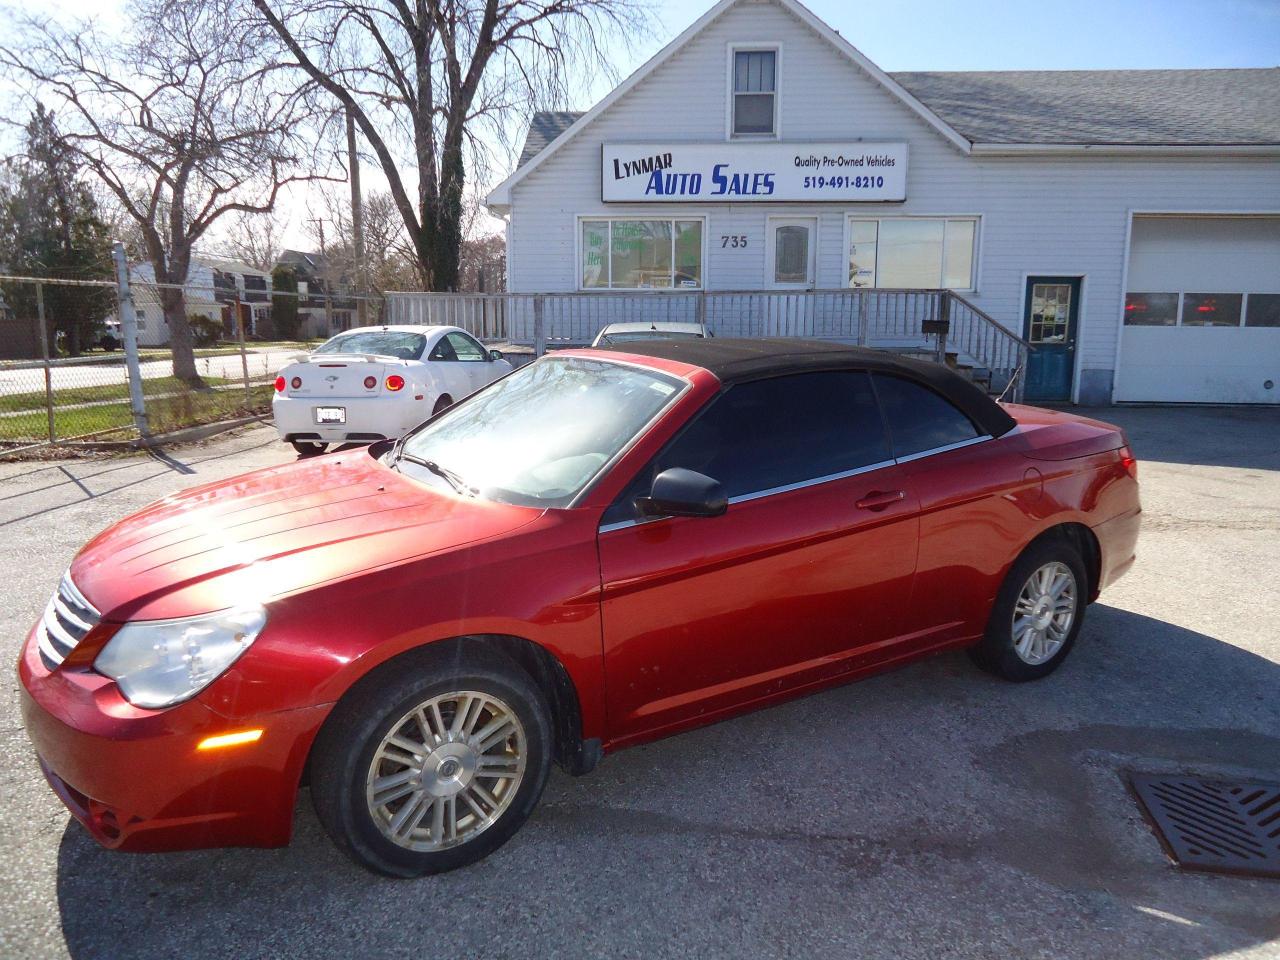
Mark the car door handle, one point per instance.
(878, 499)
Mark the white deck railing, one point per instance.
(934, 322)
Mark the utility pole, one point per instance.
(357, 218)
(324, 256)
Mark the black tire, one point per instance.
(345, 751)
(443, 403)
(997, 652)
(309, 448)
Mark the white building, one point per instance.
(1127, 223)
(212, 288)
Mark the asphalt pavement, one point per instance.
(930, 812)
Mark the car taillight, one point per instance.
(395, 382)
(279, 384)
(1129, 462)
(296, 382)
(370, 382)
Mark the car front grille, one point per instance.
(67, 618)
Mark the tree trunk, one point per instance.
(442, 218)
(181, 342)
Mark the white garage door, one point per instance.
(1202, 311)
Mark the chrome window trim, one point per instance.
(943, 449)
(771, 491)
(801, 484)
(787, 488)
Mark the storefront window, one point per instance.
(912, 253)
(641, 254)
(1150, 309)
(595, 250)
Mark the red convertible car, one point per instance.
(602, 548)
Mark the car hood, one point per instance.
(273, 532)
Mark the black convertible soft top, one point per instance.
(736, 361)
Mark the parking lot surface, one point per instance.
(930, 812)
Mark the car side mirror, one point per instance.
(678, 492)
(495, 354)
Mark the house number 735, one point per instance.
(733, 240)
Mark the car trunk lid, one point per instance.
(1058, 435)
(340, 376)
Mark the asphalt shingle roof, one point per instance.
(1130, 107)
(1126, 107)
(545, 127)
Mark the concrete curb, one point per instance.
(185, 435)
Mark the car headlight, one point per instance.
(158, 663)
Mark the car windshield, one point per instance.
(625, 336)
(540, 435)
(381, 343)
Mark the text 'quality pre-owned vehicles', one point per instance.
(378, 383)
(603, 548)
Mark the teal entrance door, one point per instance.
(1049, 323)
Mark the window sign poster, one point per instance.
(743, 172)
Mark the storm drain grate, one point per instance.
(1220, 825)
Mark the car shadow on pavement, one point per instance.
(926, 812)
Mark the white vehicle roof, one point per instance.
(400, 328)
(669, 326)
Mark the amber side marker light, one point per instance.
(229, 739)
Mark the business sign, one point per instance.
(741, 172)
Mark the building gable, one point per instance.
(701, 50)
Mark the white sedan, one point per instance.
(377, 383)
(633, 330)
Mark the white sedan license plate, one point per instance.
(331, 414)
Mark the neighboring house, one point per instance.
(1127, 223)
(325, 304)
(234, 282)
(212, 287)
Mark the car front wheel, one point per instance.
(1037, 614)
(433, 766)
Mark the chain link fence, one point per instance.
(87, 362)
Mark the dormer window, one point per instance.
(755, 93)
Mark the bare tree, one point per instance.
(184, 124)
(424, 79)
(390, 262)
(253, 238)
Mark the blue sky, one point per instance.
(962, 35)
(1029, 35)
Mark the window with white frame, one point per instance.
(641, 254)
(755, 93)
(928, 253)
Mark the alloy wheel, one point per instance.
(446, 771)
(1044, 613)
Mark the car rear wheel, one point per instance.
(444, 403)
(433, 766)
(309, 448)
(1037, 614)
